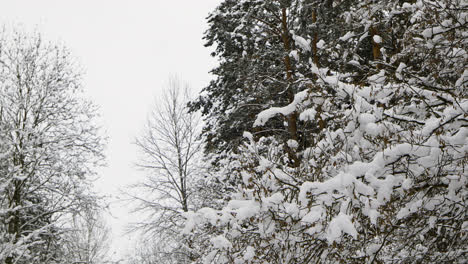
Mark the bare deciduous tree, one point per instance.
(88, 240)
(170, 149)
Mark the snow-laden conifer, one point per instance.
(381, 171)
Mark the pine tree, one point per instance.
(381, 165)
(255, 42)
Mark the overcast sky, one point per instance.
(128, 49)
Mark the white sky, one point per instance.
(128, 50)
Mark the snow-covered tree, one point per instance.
(381, 170)
(87, 239)
(49, 146)
(257, 44)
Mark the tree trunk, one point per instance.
(292, 118)
(375, 45)
(315, 40)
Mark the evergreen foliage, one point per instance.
(358, 142)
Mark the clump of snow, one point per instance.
(460, 138)
(372, 249)
(316, 213)
(320, 44)
(338, 225)
(354, 62)
(378, 78)
(377, 39)
(366, 118)
(431, 32)
(249, 253)
(189, 222)
(465, 226)
(275, 199)
(399, 70)
(220, 242)
(407, 184)
(294, 54)
(292, 144)
(308, 114)
(264, 164)
(401, 67)
(367, 122)
(431, 124)
(347, 36)
(302, 42)
(208, 213)
(365, 35)
(291, 209)
(385, 189)
(373, 129)
(249, 136)
(244, 209)
(416, 17)
(246, 177)
(427, 33)
(407, 6)
(409, 209)
(266, 115)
